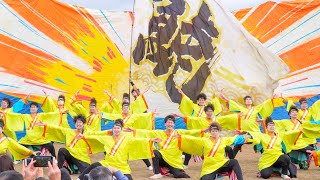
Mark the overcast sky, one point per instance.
(126, 5)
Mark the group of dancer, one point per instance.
(133, 135)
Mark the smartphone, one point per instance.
(42, 161)
(27, 161)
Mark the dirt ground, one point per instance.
(247, 158)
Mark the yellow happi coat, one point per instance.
(35, 134)
(188, 108)
(287, 126)
(79, 149)
(49, 105)
(16, 150)
(139, 105)
(93, 122)
(11, 125)
(170, 145)
(137, 121)
(120, 151)
(213, 152)
(305, 114)
(203, 122)
(248, 121)
(272, 146)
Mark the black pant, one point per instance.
(283, 162)
(228, 150)
(236, 149)
(146, 162)
(64, 154)
(50, 148)
(94, 165)
(158, 161)
(304, 150)
(232, 164)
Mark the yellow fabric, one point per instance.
(13, 122)
(106, 107)
(287, 126)
(188, 108)
(139, 105)
(79, 151)
(265, 109)
(34, 136)
(314, 110)
(226, 122)
(130, 149)
(117, 106)
(172, 153)
(270, 156)
(16, 150)
(199, 146)
(300, 112)
(137, 121)
(49, 105)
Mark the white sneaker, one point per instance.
(156, 176)
(183, 156)
(16, 162)
(150, 168)
(285, 176)
(185, 167)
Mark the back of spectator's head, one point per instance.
(6, 163)
(9, 175)
(65, 174)
(100, 173)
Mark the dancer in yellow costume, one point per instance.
(34, 134)
(62, 106)
(305, 112)
(77, 148)
(7, 144)
(119, 149)
(7, 107)
(204, 122)
(304, 145)
(188, 108)
(252, 115)
(316, 154)
(274, 144)
(139, 105)
(213, 150)
(137, 120)
(93, 116)
(168, 153)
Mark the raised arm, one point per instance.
(186, 104)
(192, 145)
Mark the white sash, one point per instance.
(75, 140)
(126, 119)
(201, 111)
(304, 115)
(169, 140)
(249, 113)
(33, 122)
(296, 126)
(215, 148)
(115, 148)
(2, 139)
(91, 118)
(272, 142)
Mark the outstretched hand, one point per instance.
(156, 140)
